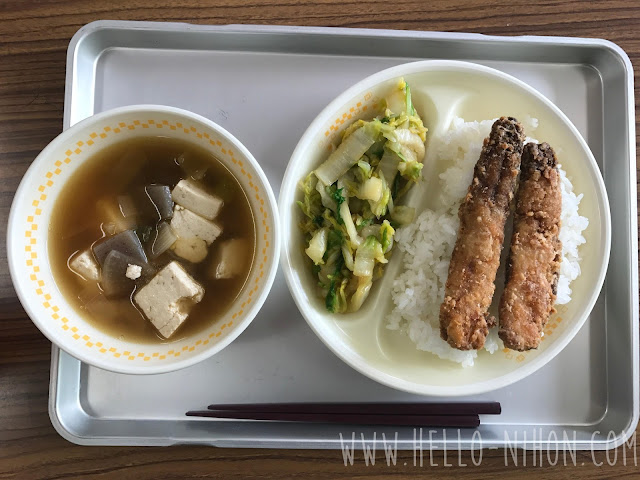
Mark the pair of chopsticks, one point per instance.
(463, 415)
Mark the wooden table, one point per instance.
(33, 39)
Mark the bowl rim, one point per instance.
(351, 358)
(103, 362)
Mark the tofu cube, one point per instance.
(230, 258)
(194, 233)
(193, 197)
(168, 298)
(85, 265)
(186, 224)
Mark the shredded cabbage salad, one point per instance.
(351, 203)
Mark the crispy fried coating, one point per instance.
(535, 255)
(464, 318)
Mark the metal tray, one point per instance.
(265, 85)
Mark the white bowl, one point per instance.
(31, 213)
(440, 91)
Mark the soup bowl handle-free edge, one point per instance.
(30, 215)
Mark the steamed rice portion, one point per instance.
(427, 243)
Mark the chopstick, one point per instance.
(463, 415)
(462, 408)
(460, 421)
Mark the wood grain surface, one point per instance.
(33, 39)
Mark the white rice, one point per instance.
(428, 242)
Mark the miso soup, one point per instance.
(152, 240)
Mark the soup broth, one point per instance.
(130, 187)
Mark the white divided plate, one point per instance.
(442, 90)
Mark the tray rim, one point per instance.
(612, 47)
(98, 25)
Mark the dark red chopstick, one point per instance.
(461, 408)
(460, 421)
(462, 415)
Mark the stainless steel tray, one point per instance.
(265, 85)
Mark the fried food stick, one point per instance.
(535, 255)
(464, 319)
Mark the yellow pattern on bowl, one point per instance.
(28, 229)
